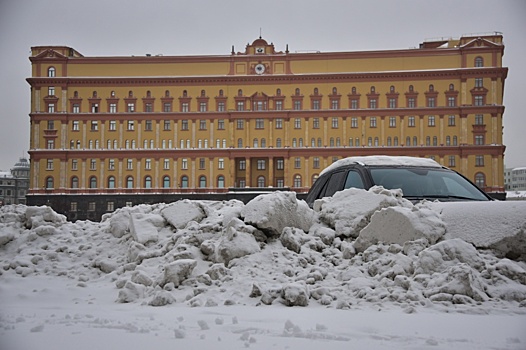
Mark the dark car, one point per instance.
(418, 178)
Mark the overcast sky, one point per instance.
(202, 27)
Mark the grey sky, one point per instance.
(173, 27)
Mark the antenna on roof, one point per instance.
(260, 32)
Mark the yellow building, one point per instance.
(159, 128)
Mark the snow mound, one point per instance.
(357, 249)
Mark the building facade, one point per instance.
(14, 185)
(515, 179)
(113, 131)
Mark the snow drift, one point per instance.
(357, 248)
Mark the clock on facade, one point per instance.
(260, 50)
(260, 68)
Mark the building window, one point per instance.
(74, 164)
(129, 182)
(202, 181)
(240, 124)
(220, 163)
(280, 164)
(373, 103)
(240, 106)
(148, 164)
(73, 206)
(131, 125)
(51, 108)
(261, 164)
(297, 163)
(479, 119)
(92, 206)
(297, 123)
(93, 164)
(451, 161)
(111, 182)
(184, 182)
(480, 180)
(51, 72)
(242, 164)
(93, 182)
(335, 123)
(110, 206)
(431, 102)
(50, 144)
(316, 105)
(335, 104)
(148, 182)
(479, 140)
(479, 62)
(111, 164)
(451, 101)
(372, 122)
(220, 106)
(354, 122)
(260, 123)
(148, 125)
(411, 102)
(479, 82)
(278, 143)
(316, 163)
(184, 164)
(297, 181)
(185, 107)
(130, 107)
(297, 105)
(279, 123)
(431, 120)
(166, 181)
(49, 165)
(202, 125)
(240, 143)
(221, 124)
(479, 160)
(129, 164)
(279, 105)
(392, 122)
(479, 100)
(451, 120)
(220, 181)
(51, 91)
(201, 163)
(411, 121)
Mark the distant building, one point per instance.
(515, 179)
(113, 131)
(15, 184)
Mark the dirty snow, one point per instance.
(365, 269)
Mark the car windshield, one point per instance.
(427, 183)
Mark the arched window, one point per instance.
(431, 87)
(408, 141)
(338, 142)
(314, 178)
(129, 182)
(94, 94)
(376, 142)
(278, 142)
(315, 91)
(448, 140)
(313, 142)
(184, 181)
(370, 141)
(373, 89)
(111, 182)
(220, 181)
(331, 142)
(51, 72)
(185, 93)
(334, 91)
(93, 182)
(202, 181)
(221, 92)
(278, 92)
(480, 180)
(479, 62)
(167, 93)
(391, 88)
(49, 182)
(297, 181)
(455, 141)
(435, 141)
(395, 141)
(294, 142)
(263, 143)
(240, 92)
(148, 182)
(148, 93)
(300, 142)
(297, 91)
(74, 182)
(353, 90)
(451, 87)
(240, 143)
(255, 144)
(203, 93)
(130, 93)
(388, 140)
(428, 141)
(319, 142)
(109, 144)
(415, 141)
(261, 181)
(411, 88)
(166, 182)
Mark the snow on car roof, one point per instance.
(383, 160)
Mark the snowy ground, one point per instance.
(272, 274)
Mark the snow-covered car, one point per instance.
(418, 178)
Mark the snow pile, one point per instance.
(357, 249)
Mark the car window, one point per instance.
(354, 180)
(334, 184)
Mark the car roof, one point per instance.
(383, 161)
